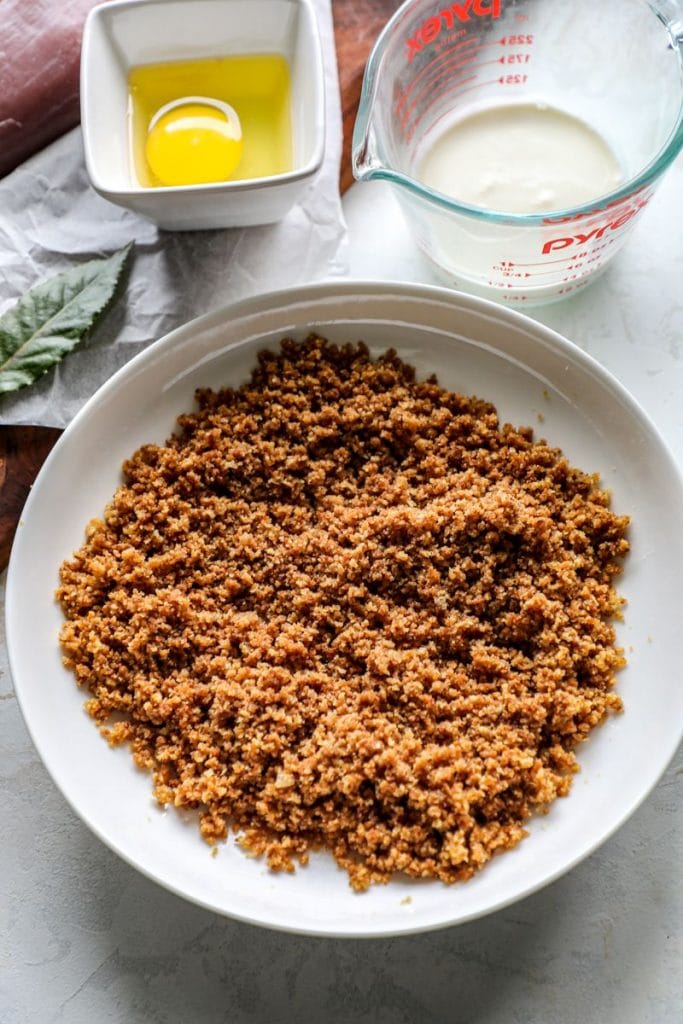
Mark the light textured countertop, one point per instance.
(84, 939)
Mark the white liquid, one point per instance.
(524, 158)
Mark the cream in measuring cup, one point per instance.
(524, 137)
(520, 158)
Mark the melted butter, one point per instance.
(257, 88)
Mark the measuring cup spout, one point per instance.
(365, 161)
(367, 131)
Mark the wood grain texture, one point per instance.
(357, 23)
(22, 452)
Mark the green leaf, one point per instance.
(52, 318)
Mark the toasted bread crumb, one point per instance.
(344, 609)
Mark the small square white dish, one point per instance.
(128, 33)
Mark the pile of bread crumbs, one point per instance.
(343, 609)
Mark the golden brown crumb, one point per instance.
(343, 609)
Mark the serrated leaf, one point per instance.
(52, 318)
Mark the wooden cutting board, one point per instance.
(357, 23)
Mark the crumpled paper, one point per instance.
(50, 219)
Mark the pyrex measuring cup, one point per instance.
(618, 67)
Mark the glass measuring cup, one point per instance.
(618, 68)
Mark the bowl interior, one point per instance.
(120, 36)
(534, 377)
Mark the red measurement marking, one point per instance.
(543, 263)
(443, 42)
(448, 19)
(408, 135)
(573, 287)
(443, 55)
(496, 60)
(583, 255)
(438, 66)
(489, 81)
(523, 40)
(588, 256)
(514, 58)
(550, 273)
(591, 258)
(408, 112)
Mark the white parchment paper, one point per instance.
(50, 219)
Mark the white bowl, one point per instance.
(475, 346)
(123, 34)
